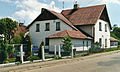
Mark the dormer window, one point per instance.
(47, 27)
(37, 28)
(57, 26)
(100, 26)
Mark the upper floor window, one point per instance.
(37, 27)
(105, 27)
(47, 27)
(57, 26)
(100, 26)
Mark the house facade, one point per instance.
(85, 26)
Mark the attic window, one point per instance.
(57, 26)
(47, 27)
(37, 27)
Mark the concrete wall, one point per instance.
(102, 34)
(38, 36)
(78, 44)
(88, 29)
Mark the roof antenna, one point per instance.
(63, 4)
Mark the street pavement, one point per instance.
(106, 63)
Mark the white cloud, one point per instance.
(6, 1)
(30, 9)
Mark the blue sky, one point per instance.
(27, 10)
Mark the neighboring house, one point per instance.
(84, 25)
(113, 42)
(21, 29)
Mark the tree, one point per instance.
(28, 42)
(3, 51)
(8, 28)
(67, 45)
(40, 49)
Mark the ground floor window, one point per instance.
(46, 41)
(105, 42)
(100, 41)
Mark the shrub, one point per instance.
(95, 48)
(85, 54)
(33, 58)
(67, 46)
(111, 49)
(10, 60)
(40, 50)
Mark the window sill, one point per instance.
(57, 30)
(47, 30)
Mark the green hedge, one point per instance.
(111, 49)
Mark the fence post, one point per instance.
(43, 53)
(72, 51)
(59, 51)
(55, 50)
(21, 53)
(31, 49)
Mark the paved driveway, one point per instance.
(109, 63)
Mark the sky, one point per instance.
(27, 10)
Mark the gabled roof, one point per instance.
(113, 39)
(69, 33)
(85, 15)
(58, 15)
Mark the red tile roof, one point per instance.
(69, 33)
(85, 15)
(113, 39)
(21, 29)
(60, 16)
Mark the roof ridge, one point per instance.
(86, 7)
(67, 33)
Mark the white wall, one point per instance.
(78, 44)
(102, 34)
(38, 36)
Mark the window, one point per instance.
(47, 27)
(105, 42)
(46, 41)
(87, 43)
(57, 26)
(100, 41)
(105, 27)
(37, 28)
(83, 43)
(100, 26)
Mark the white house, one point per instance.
(84, 25)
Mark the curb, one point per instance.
(54, 62)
